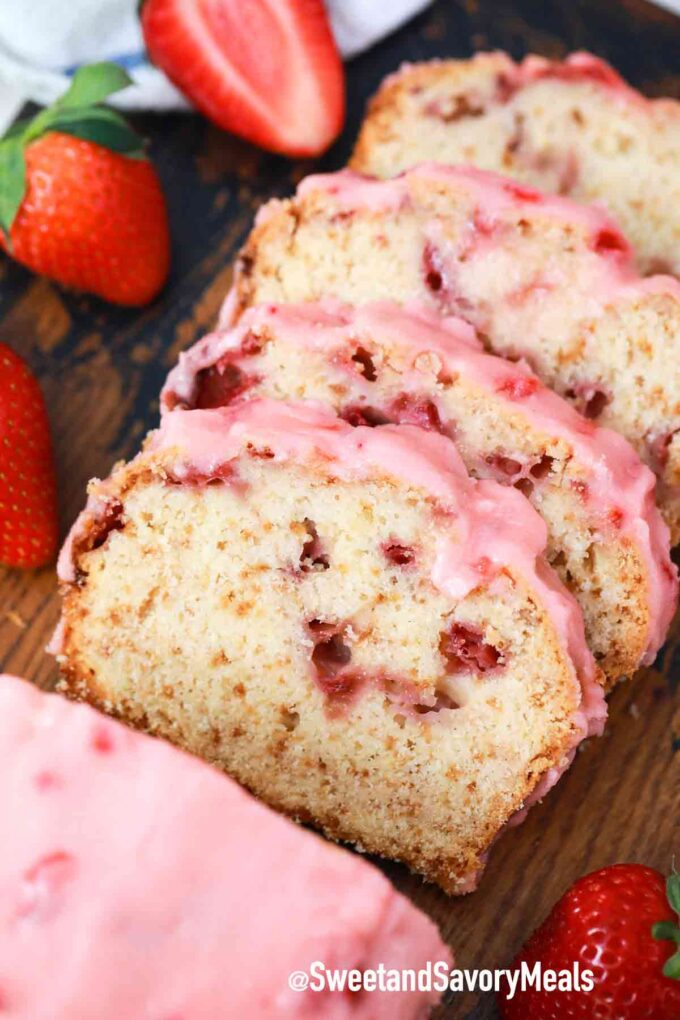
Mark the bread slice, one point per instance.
(137, 882)
(541, 278)
(573, 127)
(383, 363)
(341, 618)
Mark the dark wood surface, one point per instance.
(101, 369)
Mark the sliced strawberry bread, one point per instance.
(341, 618)
(136, 882)
(383, 363)
(541, 278)
(573, 127)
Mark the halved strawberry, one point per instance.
(267, 70)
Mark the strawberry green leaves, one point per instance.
(100, 125)
(12, 181)
(668, 930)
(76, 113)
(93, 84)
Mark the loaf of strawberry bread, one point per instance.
(341, 618)
(383, 363)
(541, 278)
(136, 882)
(573, 127)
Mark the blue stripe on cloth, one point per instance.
(126, 60)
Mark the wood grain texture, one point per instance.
(101, 369)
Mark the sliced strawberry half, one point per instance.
(267, 70)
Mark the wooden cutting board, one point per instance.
(101, 369)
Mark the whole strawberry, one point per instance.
(79, 201)
(28, 513)
(619, 923)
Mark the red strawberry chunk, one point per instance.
(251, 345)
(331, 657)
(609, 241)
(506, 86)
(465, 650)
(506, 467)
(411, 410)
(542, 468)
(221, 384)
(360, 414)
(590, 398)
(399, 554)
(110, 519)
(365, 364)
(518, 387)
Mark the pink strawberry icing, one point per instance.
(620, 487)
(492, 192)
(137, 882)
(615, 275)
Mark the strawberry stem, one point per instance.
(668, 931)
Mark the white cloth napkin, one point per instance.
(42, 41)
